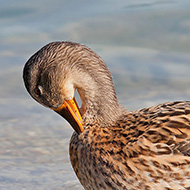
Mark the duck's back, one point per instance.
(146, 149)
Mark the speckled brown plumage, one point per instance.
(117, 149)
(146, 149)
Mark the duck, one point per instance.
(111, 148)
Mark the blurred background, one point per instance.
(145, 43)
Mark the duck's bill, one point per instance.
(70, 111)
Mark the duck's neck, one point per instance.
(99, 101)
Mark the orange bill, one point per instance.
(70, 111)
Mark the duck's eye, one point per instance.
(38, 90)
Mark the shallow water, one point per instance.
(145, 43)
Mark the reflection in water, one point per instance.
(145, 44)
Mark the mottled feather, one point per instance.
(145, 149)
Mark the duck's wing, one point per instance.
(160, 154)
(169, 125)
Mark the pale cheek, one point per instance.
(68, 91)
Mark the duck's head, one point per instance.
(52, 75)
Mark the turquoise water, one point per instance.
(145, 43)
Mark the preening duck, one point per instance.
(111, 148)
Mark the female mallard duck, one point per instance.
(111, 148)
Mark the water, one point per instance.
(145, 43)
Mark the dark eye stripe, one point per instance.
(38, 90)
